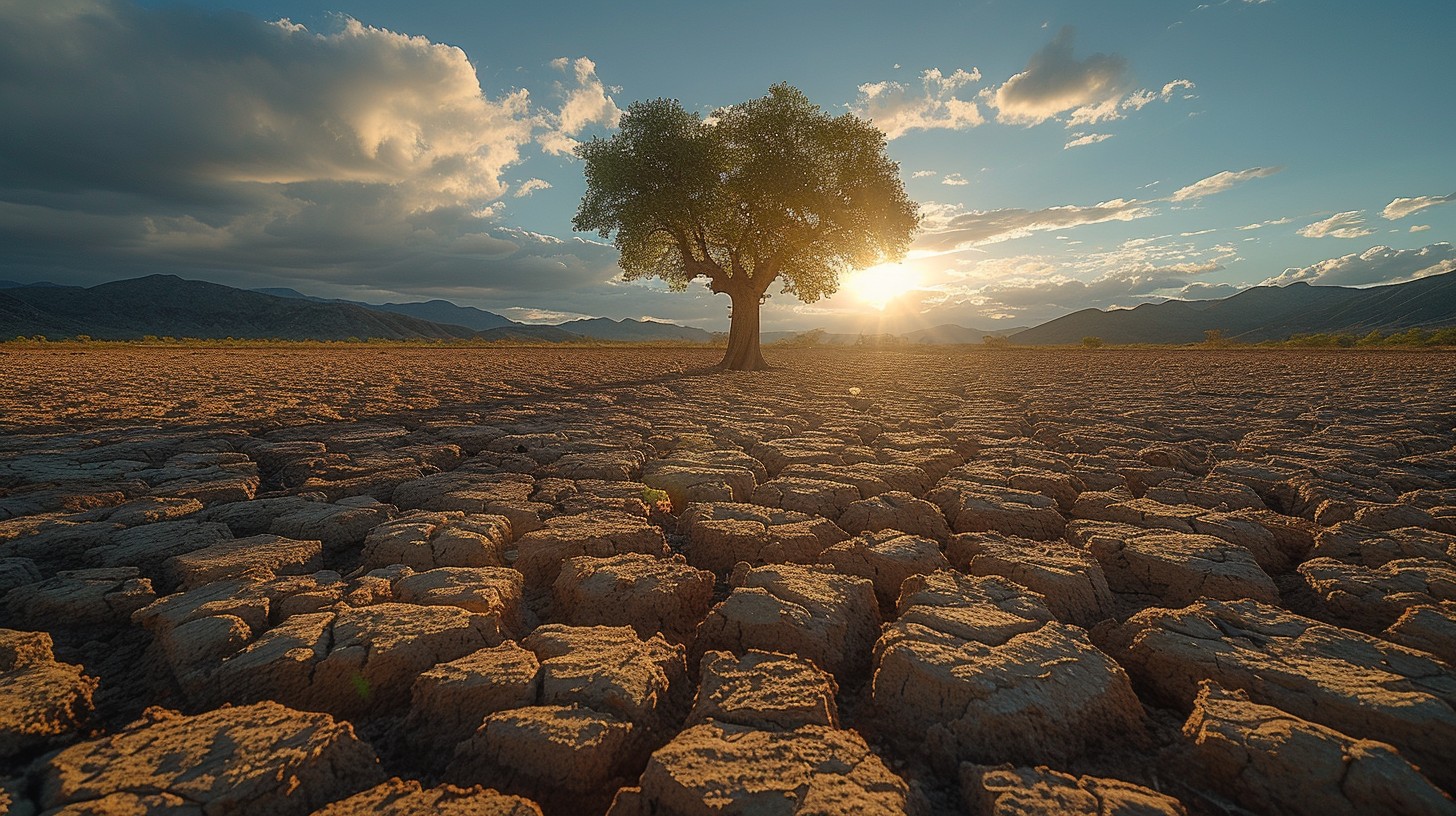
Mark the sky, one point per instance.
(1065, 155)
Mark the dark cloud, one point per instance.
(1055, 82)
(220, 146)
(1380, 264)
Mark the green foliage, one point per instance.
(1213, 337)
(1410, 338)
(769, 189)
(1092, 342)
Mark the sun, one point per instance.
(879, 285)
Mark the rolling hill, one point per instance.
(628, 330)
(166, 305)
(1262, 313)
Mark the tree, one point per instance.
(1213, 337)
(773, 189)
(1091, 342)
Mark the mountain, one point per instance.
(944, 334)
(435, 311)
(169, 306)
(530, 333)
(10, 284)
(443, 311)
(1262, 313)
(634, 331)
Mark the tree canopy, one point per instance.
(773, 189)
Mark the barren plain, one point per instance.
(357, 580)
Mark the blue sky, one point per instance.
(1065, 154)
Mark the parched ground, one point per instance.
(369, 579)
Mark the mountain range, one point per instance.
(1262, 313)
(169, 306)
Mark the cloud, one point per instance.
(950, 228)
(1401, 207)
(1219, 182)
(530, 186)
(1055, 82)
(1349, 224)
(1117, 287)
(954, 180)
(220, 146)
(586, 103)
(1379, 264)
(1199, 290)
(898, 108)
(922, 174)
(1083, 139)
(1419, 227)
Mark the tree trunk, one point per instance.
(743, 345)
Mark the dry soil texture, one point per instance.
(375, 580)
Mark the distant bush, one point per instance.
(1410, 338)
(996, 341)
(1092, 342)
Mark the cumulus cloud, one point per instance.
(898, 108)
(1379, 264)
(1084, 139)
(1419, 227)
(1401, 207)
(922, 174)
(586, 102)
(531, 185)
(1350, 224)
(1057, 85)
(955, 180)
(1219, 182)
(1055, 82)
(264, 154)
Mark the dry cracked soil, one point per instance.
(383, 580)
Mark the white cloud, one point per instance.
(1083, 139)
(1419, 227)
(898, 108)
(1350, 224)
(947, 227)
(1380, 264)
(586, 102)
(922, 174)
(955, 180)
(1219, 182)
(530, 186)
(1401, 207)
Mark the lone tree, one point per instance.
(773, 189)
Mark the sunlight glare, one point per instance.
(881, 284)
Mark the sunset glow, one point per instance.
(878, 285)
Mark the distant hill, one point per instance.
(169, 306)
(634, 331)
(944, 334)
(948, 333)
(435, 311)
(10, 284)
(529, 332)
(1263, 313)
(443, 311)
